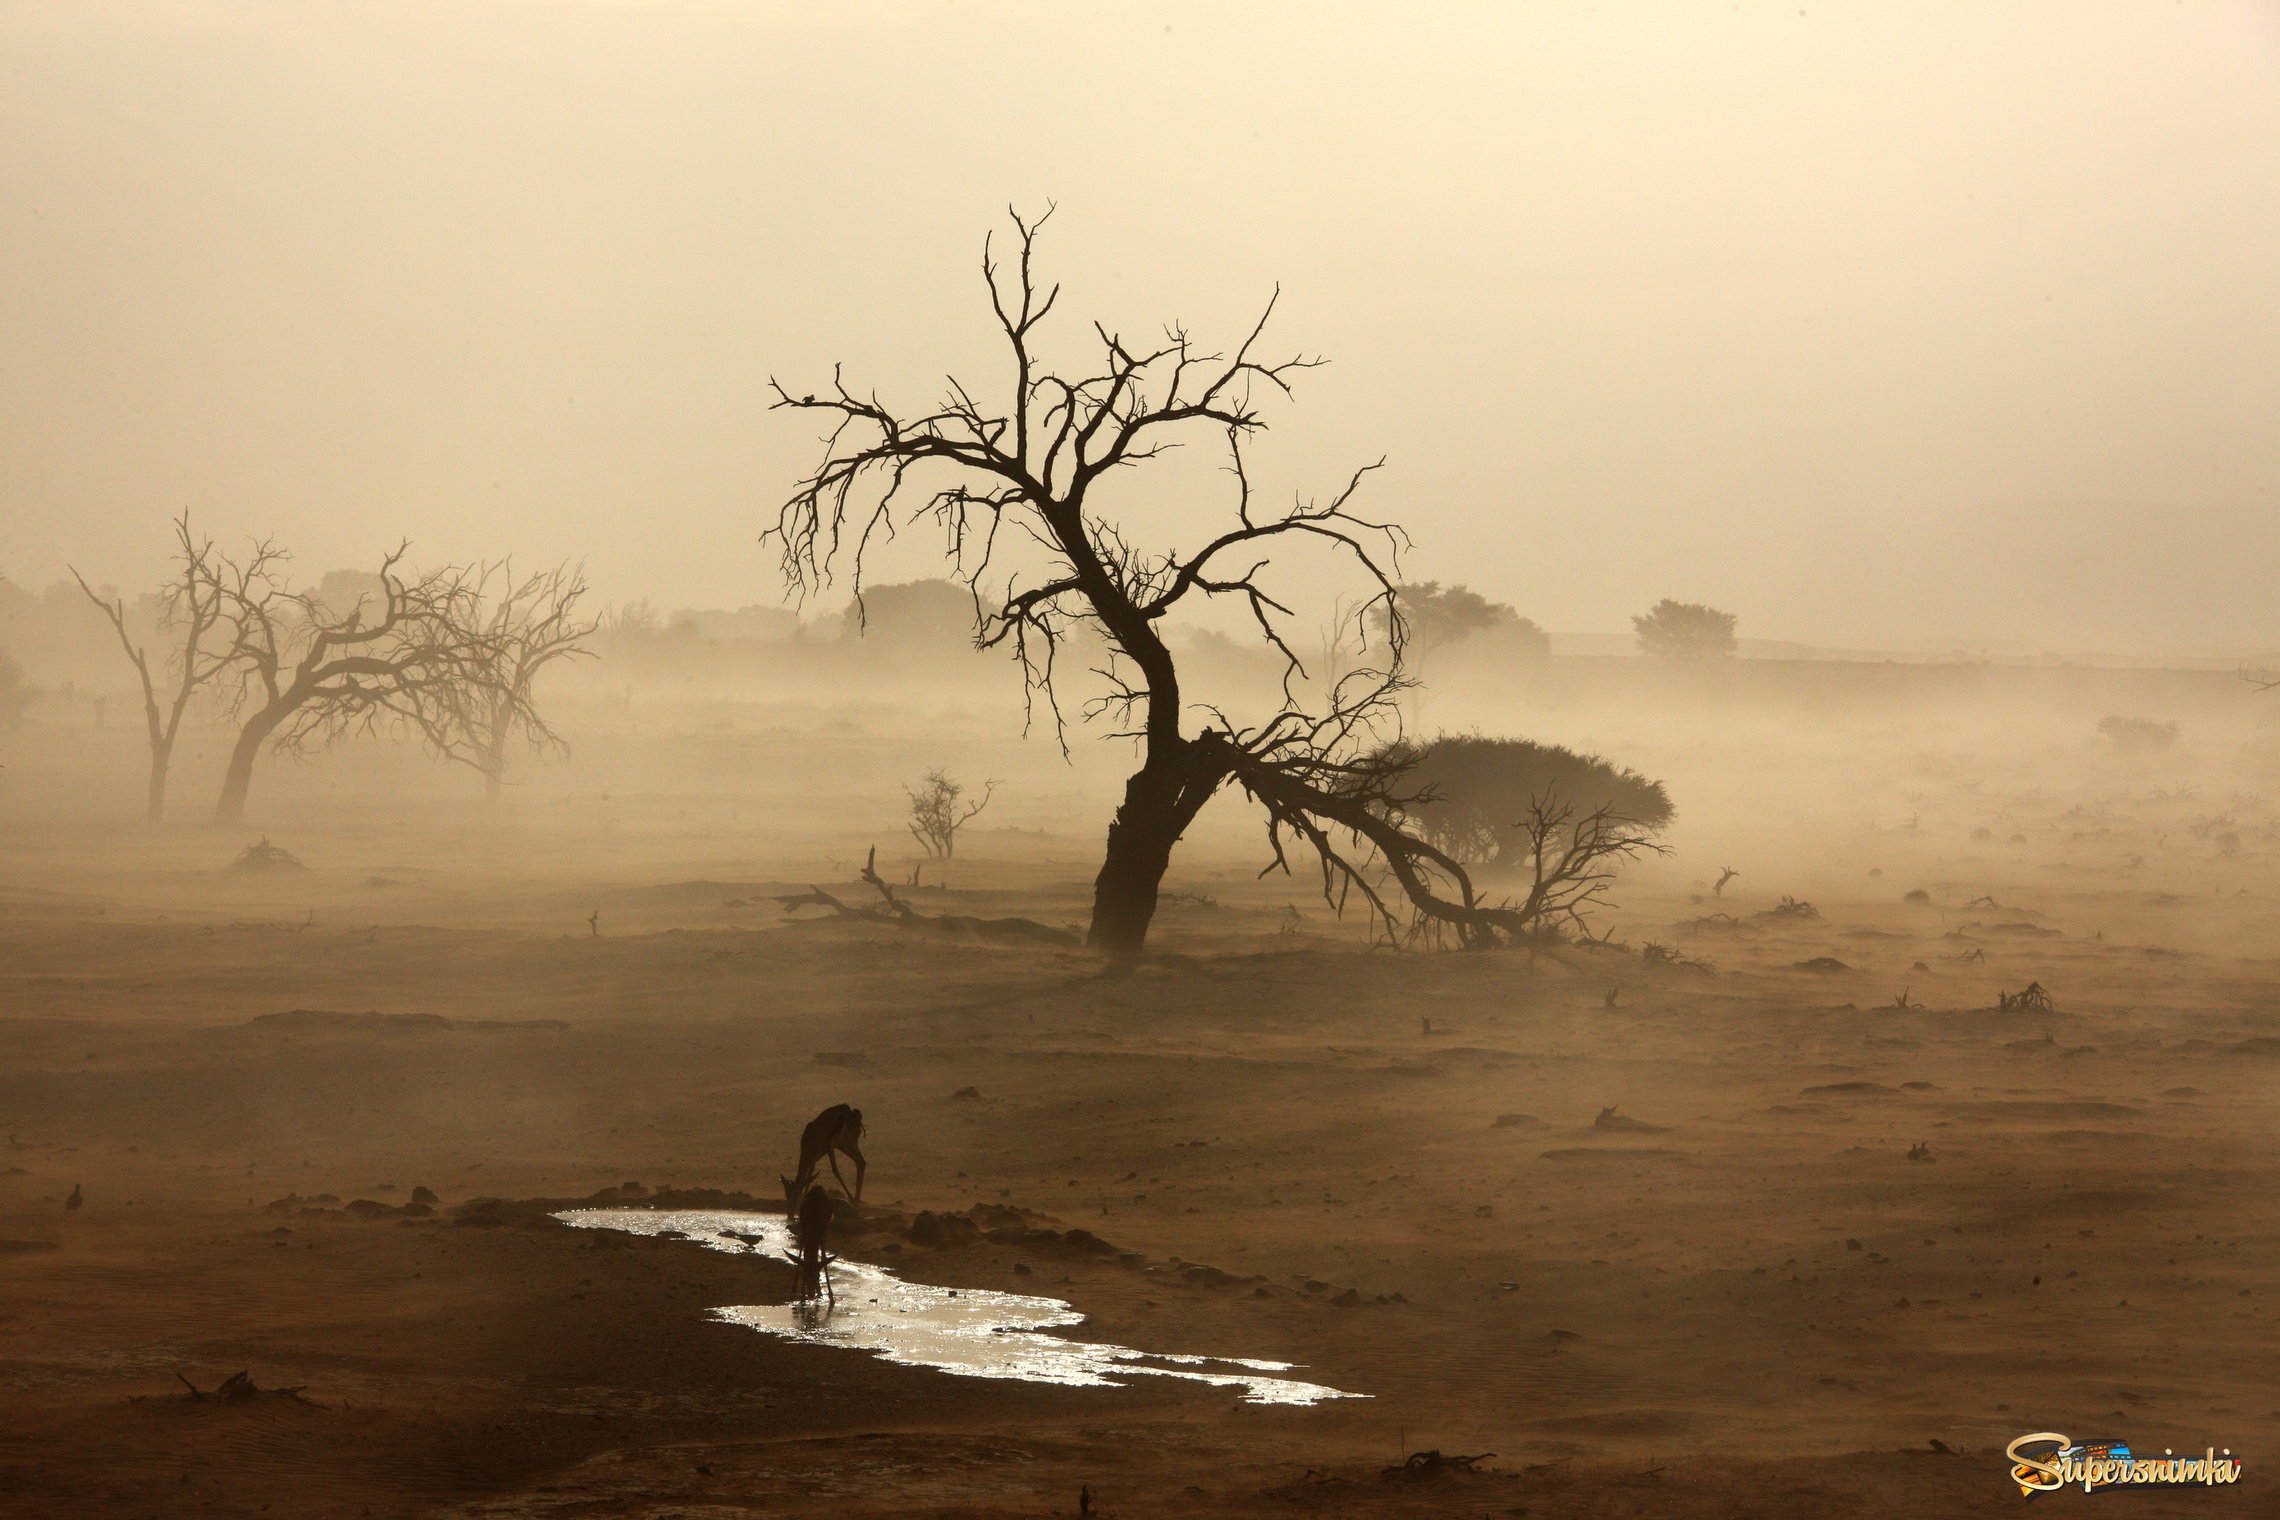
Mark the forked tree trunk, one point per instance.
(1140, 840)
(161, 746)
(1160, 801)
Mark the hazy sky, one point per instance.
(1904, 324)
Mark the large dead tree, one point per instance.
(1012, 486)
(189, 608)
(308, 674)
(522, 625)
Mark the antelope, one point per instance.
(811, 1233)
(836, 1132)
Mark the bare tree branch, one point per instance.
(525, 624)
(308, 675)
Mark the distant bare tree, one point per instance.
(636, 618)
(1020, 474)
(189, 611)
(521, 626)
(306, 674)
(936, 817)
(1685, 631)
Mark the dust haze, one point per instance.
(1013, 760)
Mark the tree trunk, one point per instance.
(161, 752)
(494, 762)
(239, 776)
(1160, 801)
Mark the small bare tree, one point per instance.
(1571, 860)
(522, 626)
(189, 611)
(935, 814)
(306, 675)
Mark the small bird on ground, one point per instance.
(71, 1204)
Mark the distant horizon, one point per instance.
(1564, 641)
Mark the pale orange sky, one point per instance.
(1900, 325)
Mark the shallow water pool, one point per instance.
(969, 1332)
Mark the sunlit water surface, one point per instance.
(967, 1331)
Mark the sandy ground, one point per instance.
(1761, 1305)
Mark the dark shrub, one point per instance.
(1474, 791)
(2138, 735)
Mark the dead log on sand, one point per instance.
(903, 916)
(1423, 1466)
(240, 1388)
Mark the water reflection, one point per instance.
(970, 1332)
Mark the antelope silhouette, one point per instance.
(836, 1132)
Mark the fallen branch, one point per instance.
(903, 916)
